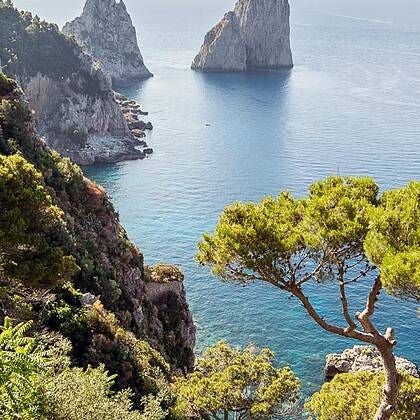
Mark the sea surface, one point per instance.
(351, 105)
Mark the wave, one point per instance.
(365, 19)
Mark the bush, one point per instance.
(29, 225)
(229, 382)
(356, 396)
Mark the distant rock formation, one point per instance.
(363, 358)
(223, 48)
(76, 109)
(255, 35)
(105, 31)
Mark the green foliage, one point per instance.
(76, 394)
(393, 241)
(322, 236)
(70, 320)
(30, 226)
(21, 360)
(229, 381)
(137, 364)
(355, 397)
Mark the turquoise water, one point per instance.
(351, 105)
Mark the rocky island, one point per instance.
(105, 31)
(255, 35)
(76, 109)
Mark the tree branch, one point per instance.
(296, 290)
(345, 307)
(364, 317)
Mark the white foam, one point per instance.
(365, 19)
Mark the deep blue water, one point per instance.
(351, 105)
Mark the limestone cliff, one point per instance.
(223, 48)
(105, 31)
(115, 307)
(260, 26)
(74, 104)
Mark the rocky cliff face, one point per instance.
(264, 30)
(223, 48)
(105, 31)
(121, 307)
(74, 104)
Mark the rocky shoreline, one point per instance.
(104, 148)
(363, 358)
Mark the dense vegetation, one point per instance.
(71, 348)
(228, 383)
(355, 396)
(52, 253)
(343, 233)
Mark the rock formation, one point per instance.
(105, 31)
(363, 358)
(76, 109)
(223, 48)
(261, 27)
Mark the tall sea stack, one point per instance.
(106, 32)
(263, 32)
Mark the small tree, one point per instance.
(228, 382)
(355, 396)
(341, 233)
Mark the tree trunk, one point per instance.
(392, 382)
(226, 416)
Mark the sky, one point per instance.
(402, 12)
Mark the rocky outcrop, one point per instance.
(165, 292)
(223, 48)
(363, 358)
(76, 109)
(255, 35)
(105, 31)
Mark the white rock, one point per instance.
(363, 358)
(265, 29)
(223, 48)
(106, 32)
(255, 35)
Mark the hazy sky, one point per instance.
(405, 12)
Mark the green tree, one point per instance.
(340, 234)
(77, 394)
(230, 382)
(30, 227)
(355, 396)
(21, 360)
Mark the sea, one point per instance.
(350, 106)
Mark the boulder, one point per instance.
(363, 358)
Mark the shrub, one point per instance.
(356, 396)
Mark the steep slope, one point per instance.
(264, 30)
(67, 263)
(74, 104)
(106, 32)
